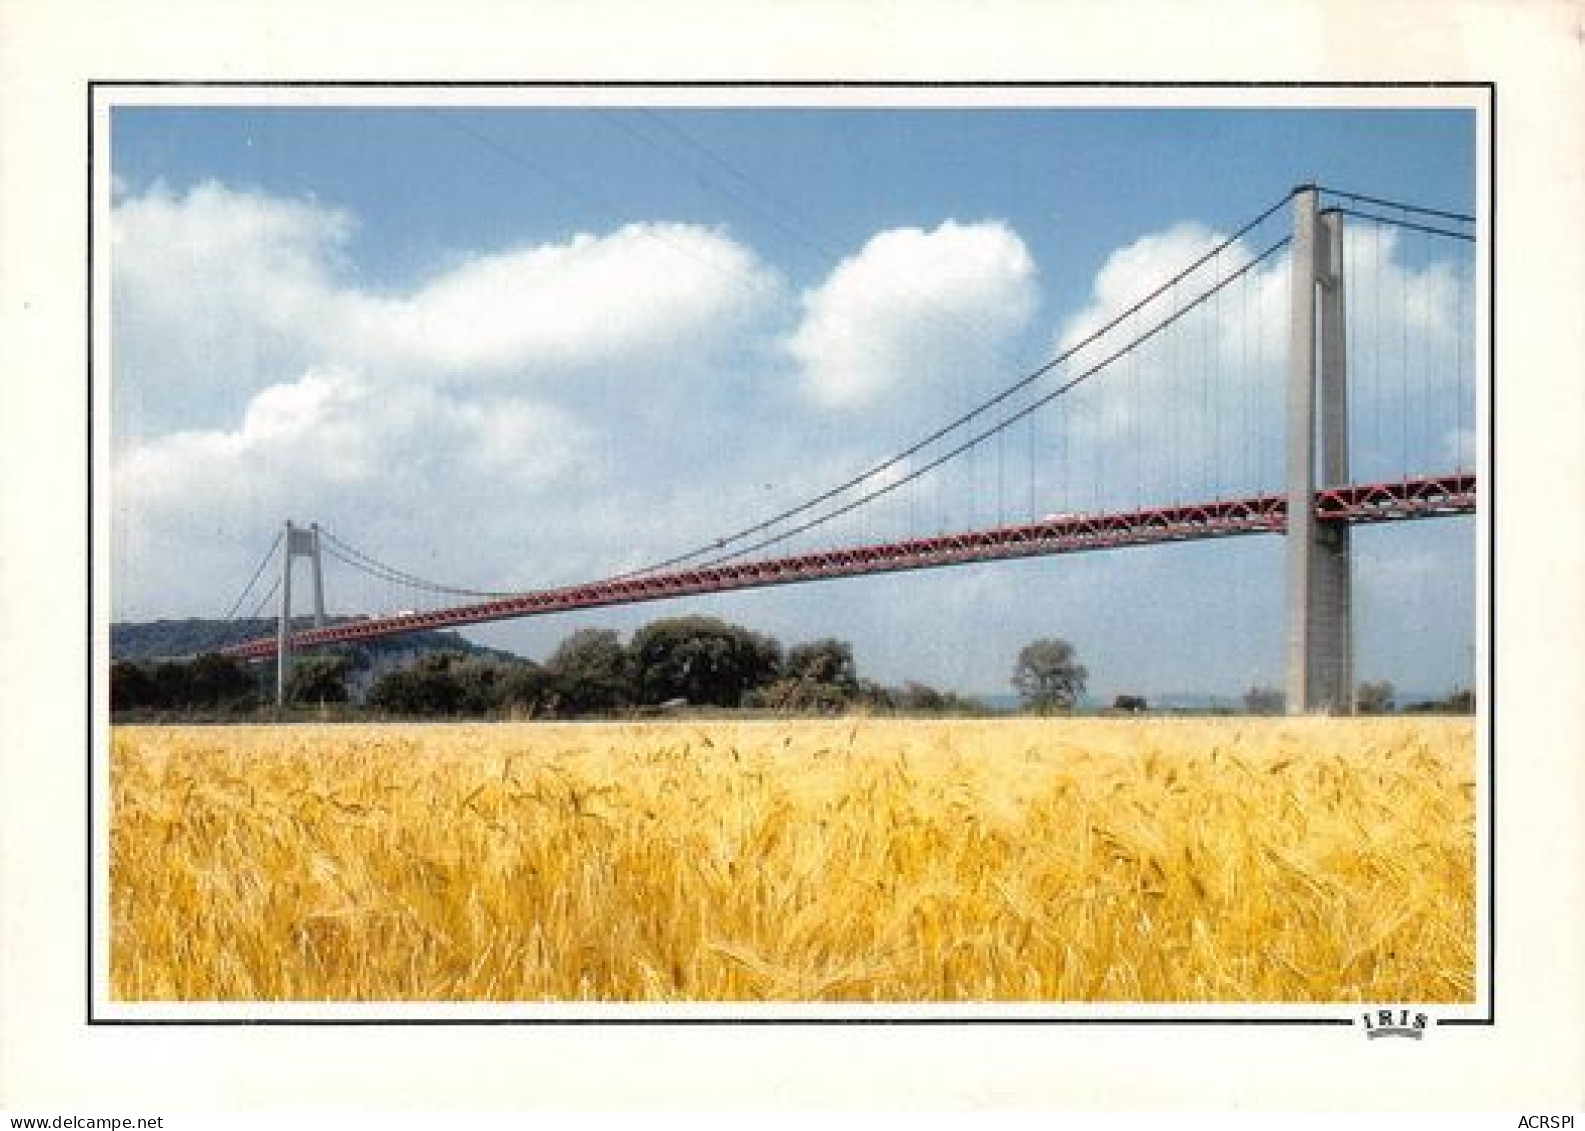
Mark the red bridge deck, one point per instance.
(1263, 514)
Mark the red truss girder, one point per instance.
(1059, 534)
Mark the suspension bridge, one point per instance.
(1312, 372)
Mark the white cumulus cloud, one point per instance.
(1137, 269)
(257, 376)
(335, 447)
(644, 290)
(220, 293)
(216, 294)
(914, 308)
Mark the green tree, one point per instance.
(875, 696)
(816, 676)
(703, 660)
(592, 671)
(1374, 698)
(395, 691)
(1264, 701)
(826, 661)
(131, 687)
(482, 685)
(1459, 701)
(318, 679)
(1048, 675)
(173, 683)
(208, 681)
(921, 697)
(216, 681)
(916, 696)
(426, 688)
(529, 688)
(788, 694)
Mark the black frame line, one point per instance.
(801, 84)
(1486, 514)
(92, 616)
(697, 1022)
(1489, 513)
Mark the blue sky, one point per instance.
(430, 185)
(507, 348)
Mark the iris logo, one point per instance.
(1395, 1023)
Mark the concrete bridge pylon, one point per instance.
(1320, 645)
(303, 542)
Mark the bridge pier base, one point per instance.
(1320, 652)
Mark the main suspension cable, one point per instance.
(959, 421)
(1400, 222)
(349, 554)
(1402, 206)
(265, 600)
(220, 636)
(1006, 422)
(254, 580)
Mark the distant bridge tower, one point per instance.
(1320, 661)
(300, 542)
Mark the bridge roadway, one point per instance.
(1414, 498)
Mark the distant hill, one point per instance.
(161, 639)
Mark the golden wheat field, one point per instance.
(869, 860)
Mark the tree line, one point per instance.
(692, 661)
(1372, 697)
(695, 661)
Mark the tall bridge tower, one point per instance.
(1320, 645)
(300, 542)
